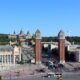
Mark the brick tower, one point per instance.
(61, 46)
(37, 47)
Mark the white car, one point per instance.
(49, 74)
(57, 75)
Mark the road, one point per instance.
(31, 78)
(67, 76)
(72, 77)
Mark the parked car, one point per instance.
(49, 74)
(57, 75)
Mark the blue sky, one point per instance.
(49, 16)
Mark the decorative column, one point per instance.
(20, 53)
(14, 59)
(61, 46)
(2, 59)
(37, 47)
(13, 56)
(5, 58)
(10, 58)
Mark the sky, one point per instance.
(49, 16)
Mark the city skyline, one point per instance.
(49, 16)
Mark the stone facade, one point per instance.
(21, 37)
(9, 55)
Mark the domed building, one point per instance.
(12, 36)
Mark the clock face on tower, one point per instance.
(38, 35)
(61, 35)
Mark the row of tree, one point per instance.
(5, 40)
(75, 39)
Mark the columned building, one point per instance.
(22, 37)
(61, 46)
(37, 47)
(9, 55)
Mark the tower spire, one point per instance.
(61, 46)
(37, 47)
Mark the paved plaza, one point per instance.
(23, 71)
(40, 77)
(31, 78)
(28, 72)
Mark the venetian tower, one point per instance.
(61, 46)
(37, 47)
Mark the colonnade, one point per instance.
(7, 59)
